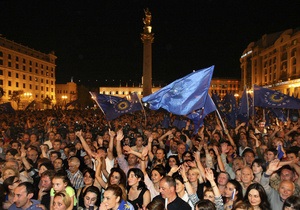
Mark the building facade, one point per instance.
(65, 93)
(222, 86)
(273, 62)
(26, 74)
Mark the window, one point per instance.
(30, 63)
(9, 56)
(17, 58)
(1, 82)
(17, 84)
(17, 75)
(17, 66)
(24, 68)
(30, 86)
(42, 88)
(42, 80)
(30, 78)
(9, 83)
(30, 69)
(51, 82)
(9, 64)
(47, 81)
(24, 76)
(1, 72)
(1, 54)
(47, 89)
(24, 85)
(36, 87)
(1, 62)
(24, 61)
(36, 71)
(9, 74)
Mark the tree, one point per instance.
(84, 97)
(47, 101)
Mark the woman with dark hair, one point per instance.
(233, 193)
(116, 176)
(91, 198)
(172, 161)
(137, 193)
(156, 205)
(205, 205)
(258, 167)
(112, 199)
(88, 180)
(9, 185)
(291, 203)
(256, 196)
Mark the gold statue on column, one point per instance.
(147, 21)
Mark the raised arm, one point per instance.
(98, 174)
(150, 154)
(84, 144)
(112, 135)
(120, 136)
(220, 162)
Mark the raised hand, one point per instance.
(120, 135)
(209, 175)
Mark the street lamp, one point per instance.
(64, 98)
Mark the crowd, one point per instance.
(75, 159)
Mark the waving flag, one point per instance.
(230, 107)
(243, 112)
(184, 95)
(198, 116)
(265, 97)
(219, 104)
(113, 106)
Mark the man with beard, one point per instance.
(46, 184)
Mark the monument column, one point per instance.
(147, 38)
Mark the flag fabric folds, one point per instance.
(219, 104)
(229, 102)
(243, 112)
(184, 95)
(6, 108)
(265, 97)
(113, 106)
(198, 116)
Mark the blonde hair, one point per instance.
(65, 198)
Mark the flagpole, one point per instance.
(97, 102)
(221, 120)
(143, 110)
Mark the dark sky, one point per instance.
(100, 40)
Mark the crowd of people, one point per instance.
(76, 159)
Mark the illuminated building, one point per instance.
(66, 93)
(218, 85)
(26, 73)
(273, 62)
(222, 86)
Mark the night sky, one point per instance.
(100, 40)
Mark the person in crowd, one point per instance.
(155, 205)
(91, 198)
(285, 190)
(172, 161)
(137, 193)
(58, 164)
(74, 174)
(60, 183)
(232, 194)
(205, 205)
(291, 203)
(88, 179)
(256, 197)
(247, 178)
(258, 167)
(167, 187)
(9, 185)
(23, 195)
(45, 187)
(112, 199)
(62, 201)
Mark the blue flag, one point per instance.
(113, 106)
(229, 102)
(219, 104)
(6, 108)
(184, 95)
(265, 97)
(243, 112)
(198, 116)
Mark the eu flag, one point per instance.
(219, 104)
(230, 107)
(265, 97)
(113, 106)
(243, 113)
(198, 116)
(184, 95)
